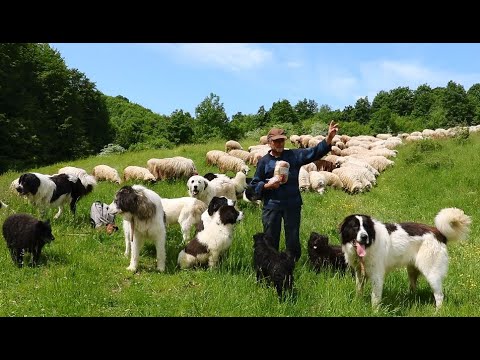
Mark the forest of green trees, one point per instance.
(50, 113)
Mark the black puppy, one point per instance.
(23, 232)
(275, 267)
(322, 255)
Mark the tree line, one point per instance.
(50, 113)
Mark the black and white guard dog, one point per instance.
(57, 190)
(373, 248)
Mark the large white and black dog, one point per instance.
(373, 248)
(143, 218)
(54, 191)
(216, 203)
(212, 241)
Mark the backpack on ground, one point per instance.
(99, 215)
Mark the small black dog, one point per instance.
(322, 255)
(23, 232)
(271, 265)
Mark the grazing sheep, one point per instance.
(263, 140)
(294, 139)
(231, 145)
(358, 161)
(351, 180)
(73, 171)
(173, 168)
(241, 154)
(303, 179)
(304, 139)
(230, 163)
(138, 173)
(310, 167)
(107, 173)
(384, 136)
(317, 181)
(332, 158)
(259, 148)
(331, 179)
(213, 155)
(366, 176)
(411, 138)
(313, 142)
(80, 173)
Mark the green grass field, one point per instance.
(83, 272)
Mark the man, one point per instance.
(283, 201)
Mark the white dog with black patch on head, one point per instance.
(143, 218)
(373, 248)
(212, 241)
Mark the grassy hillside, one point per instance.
(83, 272)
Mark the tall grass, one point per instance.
(83, 272)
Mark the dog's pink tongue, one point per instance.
(360, 250)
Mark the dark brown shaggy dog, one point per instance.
(23, 232)
(322, 255)
(275, 267)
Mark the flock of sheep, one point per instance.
(352, 165)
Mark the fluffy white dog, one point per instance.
(143, 218)
(212, 241)
(373, 248)
(186, 211)
(204, 190)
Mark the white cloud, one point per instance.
(232, 57)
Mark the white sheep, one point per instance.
(303, 179)
(384, 136)
(263, 140)
(232, 144)
(294, 139)
(317, 181)
(230, 163)
(107, 173)
(366, 176)
(351, 181)
(81, 174)
(241, 154)
(331, 179)
(138, 173)
(378, 162)
(213, 155)
(176, 167)
(304, 139)
(259, 148)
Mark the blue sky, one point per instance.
(166, 77)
